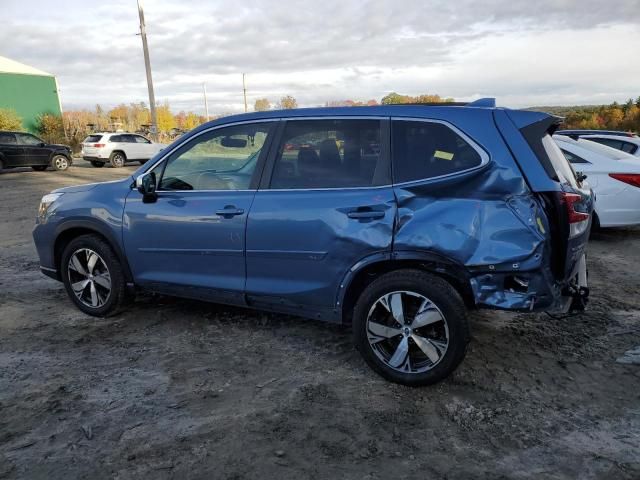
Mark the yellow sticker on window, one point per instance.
(443, 155)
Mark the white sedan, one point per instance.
(629, 144)
(614, 176)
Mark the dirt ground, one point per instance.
(183, 389)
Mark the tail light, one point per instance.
(630, 178)
(578, 221)
(98, 145)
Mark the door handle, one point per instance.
(366, 214)
(229, 211)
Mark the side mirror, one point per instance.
(146, 185)
(41, 144)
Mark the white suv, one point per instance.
(118, 148)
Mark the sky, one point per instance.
(524, 53)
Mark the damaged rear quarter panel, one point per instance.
(486, 221)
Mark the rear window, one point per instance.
(423, 150)
(93, 139)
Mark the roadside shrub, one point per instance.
(10, 120)
(50, 128)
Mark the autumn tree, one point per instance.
(288, 102)
(9, 120)
(50, 128)
(262, 104)
(166, 121)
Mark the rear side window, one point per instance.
(93, 139)
(423, 150)
(7, 138)
(629, 147)
(330, 154)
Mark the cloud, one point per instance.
(523, 52)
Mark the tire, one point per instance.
(2, 167)
(39, 168)
(97, 164)
(60, 162)
(443, 338)
(142, 162)
(98, 298)
(117, 159)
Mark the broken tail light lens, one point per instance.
(630, 178)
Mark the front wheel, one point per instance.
(143, 161)
(411, 327)
(59, 162)
(92, 276)
(97, 164)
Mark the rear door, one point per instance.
(12, 153)
(325, 204)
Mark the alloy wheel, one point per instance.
(407, 332)
(61, 162)
(118, 160)
(89, 277)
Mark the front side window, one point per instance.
(329, 154)
(423, 150)
(26, 139)
(221, 159)
(140, 139)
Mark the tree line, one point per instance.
(73, 126)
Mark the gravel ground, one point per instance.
(183, 389)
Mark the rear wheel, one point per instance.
(39, 168)
(411, 327)
(143, 161)
(60, 162)
(92, 276)
(117, 159)
(97, 164)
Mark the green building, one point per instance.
(28, 91)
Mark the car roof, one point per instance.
(417, 109)
(622, 138)
(594, 147)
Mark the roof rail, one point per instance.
(483, 102)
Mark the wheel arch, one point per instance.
(118, 150)
(64, 154)
(369, 268)
(73, 229)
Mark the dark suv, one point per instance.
(19, 149)
(393, 219)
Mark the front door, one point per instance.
(328, 205)
(34, 151)
(191, 240)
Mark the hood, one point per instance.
(90, 186)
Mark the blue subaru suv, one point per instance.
(393, 219)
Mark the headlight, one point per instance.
(46, 202)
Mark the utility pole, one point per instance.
(244, 92)
(147, 66)
(206, 105)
